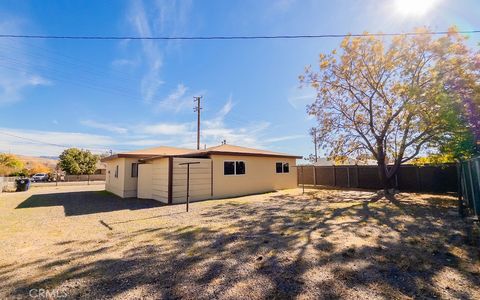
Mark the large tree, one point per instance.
(78, 162)
(392, 98)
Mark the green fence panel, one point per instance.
(470, 184)
(474, 168)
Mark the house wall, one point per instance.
(200, 180)
(124, 185)
(260, 176)
(130, 186)
(159, 179)
(152, 181)
(144, 187)
(115, 184)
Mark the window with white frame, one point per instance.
(116, 171)
(234, 167)
(282, 167)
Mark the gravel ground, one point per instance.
(81, 242)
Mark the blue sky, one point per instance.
(124, 95)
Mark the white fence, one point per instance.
(7, 183)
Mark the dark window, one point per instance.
(234, 167)
(282, 167)
(229, 168)
(279, 167)
(240, 167)
(134, 169)
(116, 171)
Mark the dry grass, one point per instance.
(322, 245)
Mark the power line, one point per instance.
(28, 49)
(238, 37)
(33, 140)
(59, 145)
(46, 143)
(60, 75)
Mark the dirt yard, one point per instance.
(81, 242)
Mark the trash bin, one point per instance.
(22, 184)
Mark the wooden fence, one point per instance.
(94, 177)
(8, 183)
(435, 178)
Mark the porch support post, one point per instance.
(170, 180)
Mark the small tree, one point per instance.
(9, 164)
(76, 161)
(37, 167)
(390, 101)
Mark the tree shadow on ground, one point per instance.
(283, 248)
(84, 203)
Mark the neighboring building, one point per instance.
(323, 162)
(360, 162)
(222, 171)
(101, 168)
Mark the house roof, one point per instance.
(237, 150)
(152, 153)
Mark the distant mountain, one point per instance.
(50, 157)
(49, 161)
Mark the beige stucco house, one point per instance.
(221, 171)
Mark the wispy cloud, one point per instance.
(283, 5)
(123, 62)
(179, 99)
(285, 138)
(214, 130)
(218, 120)
(152, 53)
(300, 97)
(147, 142)
(165, 129)
(15, 74)
(175, 101)
(104, 126)
(165, 17)
(226, 108)
(50, 143)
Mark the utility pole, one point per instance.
(197, 110)
(314, 132)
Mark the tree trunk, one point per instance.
(382, 174)
(382, 167)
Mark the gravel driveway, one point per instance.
(81, 242)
